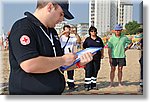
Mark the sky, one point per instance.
(14, 10)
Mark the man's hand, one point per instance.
(63, 32)
(86, 58)
(69, 58)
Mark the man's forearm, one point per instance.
(42, 64)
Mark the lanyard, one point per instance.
(52, 42)
(50, 39)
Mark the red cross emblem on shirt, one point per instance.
(25, 40)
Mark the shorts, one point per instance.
(118, 61)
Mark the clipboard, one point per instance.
(80, 53)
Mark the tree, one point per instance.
(124, 32)
(132, 27)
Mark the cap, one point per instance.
(65, 6)
(118, 27)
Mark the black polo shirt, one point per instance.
(27, 41)
(89, 42)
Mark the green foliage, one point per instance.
(132, 27)
(124, 32)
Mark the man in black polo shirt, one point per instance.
(35, 53)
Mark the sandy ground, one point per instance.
(131, 77)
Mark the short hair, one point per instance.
(43, 3)
(66, 26)
(92, 28)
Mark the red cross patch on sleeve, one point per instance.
(25, 40)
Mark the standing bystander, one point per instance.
(117, 45)
(92, 68)
(68, 44)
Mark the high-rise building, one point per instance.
(113, 14)
(125, 12)
(59, 27)
(82, 29)
(141, 13)
(104, 14)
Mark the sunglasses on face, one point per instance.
(92, 31)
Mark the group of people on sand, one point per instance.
(117, 45)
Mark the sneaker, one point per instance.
(74, 88)
(87, 89)
(71, 88)
(94, 88)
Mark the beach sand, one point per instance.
(131, 77)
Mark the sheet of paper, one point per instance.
(80, 53)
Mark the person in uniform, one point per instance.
(68, 44)
(35, 52)
(92, 68)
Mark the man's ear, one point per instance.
(50, 7)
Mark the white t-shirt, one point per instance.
(70, 44)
